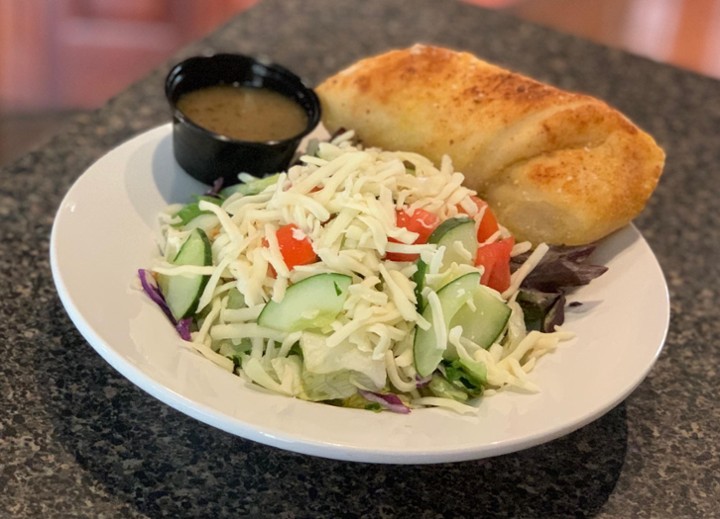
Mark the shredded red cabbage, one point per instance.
(183, 328)
(388, 401)
(421, 382)
(216, 187)
(153, 292)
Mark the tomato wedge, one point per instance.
(420, 221)
(295, 247)
(495, 258)
(489, 224)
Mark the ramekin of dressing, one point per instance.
(237, 114)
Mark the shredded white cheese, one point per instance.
(343, 200)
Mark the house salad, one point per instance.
(362, 278)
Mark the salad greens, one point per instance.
(362, 278)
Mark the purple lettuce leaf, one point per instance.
(561, 268)
(542, 292)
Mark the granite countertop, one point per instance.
(78, 440)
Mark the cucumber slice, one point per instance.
(183, 292)
(486, 323)
(453, 297)
(460, 229)
(191, 211)
(483, 325)
(250, 188)
(313, 302)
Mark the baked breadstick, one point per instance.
(555, 166)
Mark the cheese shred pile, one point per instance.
(344, 198)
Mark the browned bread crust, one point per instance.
(556, 167)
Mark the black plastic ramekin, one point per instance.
(208, 156)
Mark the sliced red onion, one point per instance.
(387, 400)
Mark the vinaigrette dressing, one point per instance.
(244, 113)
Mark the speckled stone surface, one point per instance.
(78, 440)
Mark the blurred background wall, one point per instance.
(61, 56)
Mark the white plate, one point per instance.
(104, 231)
